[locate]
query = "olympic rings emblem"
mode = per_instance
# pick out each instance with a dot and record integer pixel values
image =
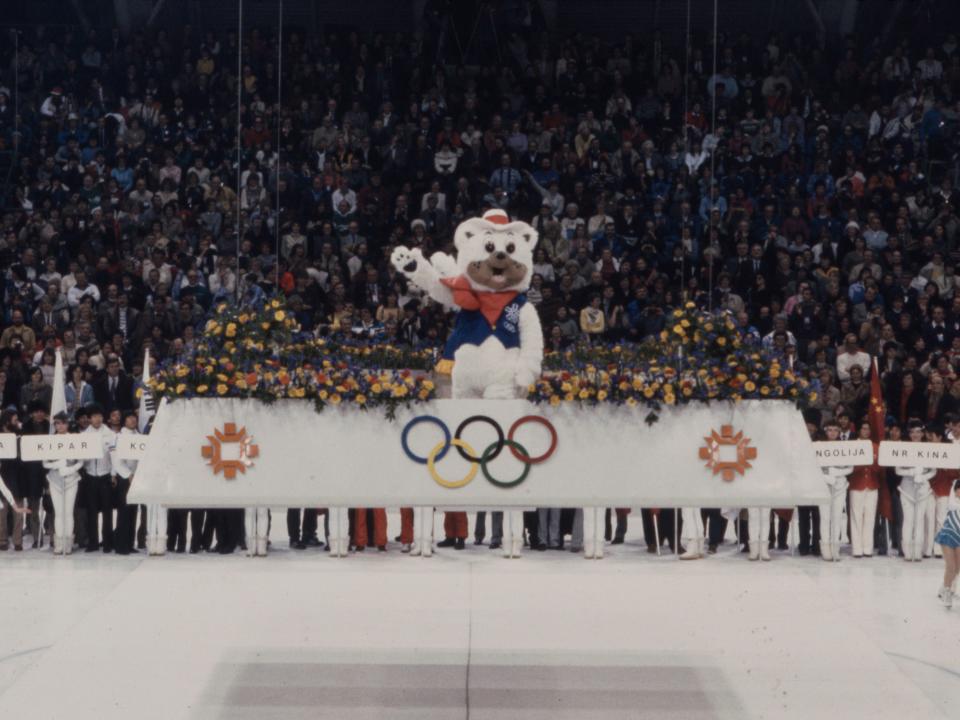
(478, 461)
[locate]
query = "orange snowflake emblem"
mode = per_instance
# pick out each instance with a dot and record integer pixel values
(720, 449)
(214, 452)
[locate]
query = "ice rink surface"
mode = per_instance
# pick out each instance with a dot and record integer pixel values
(471, 635)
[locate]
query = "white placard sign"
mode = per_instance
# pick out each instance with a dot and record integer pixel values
(242, 453)
(70, 446)
(8, 445)
(919, 454)
(843, 452)
(132, 447)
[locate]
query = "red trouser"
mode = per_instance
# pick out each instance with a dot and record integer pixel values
(455, 525)
(406, 526)
(379, 527)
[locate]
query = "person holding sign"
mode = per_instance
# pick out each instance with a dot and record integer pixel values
(864, 492)
(124, 535)
(831, 514)
(949, 540)
(63, 477)
(10, 488)
(915, 496)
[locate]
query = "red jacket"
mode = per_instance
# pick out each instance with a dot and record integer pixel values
(867, 477)
(942, 482)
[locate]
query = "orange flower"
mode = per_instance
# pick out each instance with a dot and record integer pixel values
(284, 378)
(251, 378)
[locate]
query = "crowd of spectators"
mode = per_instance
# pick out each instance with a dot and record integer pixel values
(808, 191)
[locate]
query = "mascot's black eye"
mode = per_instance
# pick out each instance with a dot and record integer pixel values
(488, 247)
(511, 247)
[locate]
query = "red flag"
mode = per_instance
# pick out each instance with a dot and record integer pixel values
(876, 416)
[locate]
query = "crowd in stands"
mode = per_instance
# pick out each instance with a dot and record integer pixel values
(809, 192)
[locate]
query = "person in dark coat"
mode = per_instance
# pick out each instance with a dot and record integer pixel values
(114, 391)
(33, 476)
(10, 498)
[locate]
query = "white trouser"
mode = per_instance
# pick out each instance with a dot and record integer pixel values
(919, 511)
(831, 516)
(592, 521)
(422, 531)
(338, 531)
(929, 523)
(512, 533)
(759, 521)
(63, 497)
(256, 524)
(863, 512)
(693, 524)
(156, 530)
(941, 505)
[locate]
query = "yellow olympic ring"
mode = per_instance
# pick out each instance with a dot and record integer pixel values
(452, 484)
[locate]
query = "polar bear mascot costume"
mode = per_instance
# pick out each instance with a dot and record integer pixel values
(496, 347)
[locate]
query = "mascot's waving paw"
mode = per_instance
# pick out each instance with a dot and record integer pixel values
(406, 260)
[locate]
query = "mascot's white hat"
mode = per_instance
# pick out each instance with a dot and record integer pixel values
(497, 217)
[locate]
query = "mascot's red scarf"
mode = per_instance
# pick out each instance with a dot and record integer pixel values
(491, 304)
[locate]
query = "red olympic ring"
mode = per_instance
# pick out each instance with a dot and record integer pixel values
(534, 419)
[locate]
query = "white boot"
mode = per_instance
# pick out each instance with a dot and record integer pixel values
(406, 548)
(517, 549)
(588, 551)
(694, 551)
(426, 549)
(414, 549)
(333, 547)
(66, 543)
(835, 550)
(754, 551)
(262, 546)
(598, 550)
(57, 547)
(764, 550)
(825, 551)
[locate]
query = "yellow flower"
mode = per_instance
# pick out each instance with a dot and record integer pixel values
(279, 315)
(637, 383)
(568, 397)
(690, 306)
(685, 323)
(648, 392)
(335, 399)
(749, 386)
(181, 388)
(323, 394)
(231, 330)
(584, 394)
(377, 387)
(678, 329)
(632, 402)
(708, 327)
(221, 389)
(602, 395)
(427, 385)
(764, 390)
(244, 319)
(201, 389)
(813, 397)
(241, 383)
(566, 387)
(554, 400)
(669, 399)
(361, 399)
(274, 303)
(182, 371)
(721, 341)
(687, 391)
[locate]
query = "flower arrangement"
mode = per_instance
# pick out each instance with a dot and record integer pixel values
(261, 354)
(699, 356)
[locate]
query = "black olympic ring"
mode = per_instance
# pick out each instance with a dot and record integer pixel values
(479, 418)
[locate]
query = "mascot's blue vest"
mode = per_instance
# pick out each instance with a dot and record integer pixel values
(472, 328)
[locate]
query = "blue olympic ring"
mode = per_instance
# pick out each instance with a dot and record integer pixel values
(422, 419)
